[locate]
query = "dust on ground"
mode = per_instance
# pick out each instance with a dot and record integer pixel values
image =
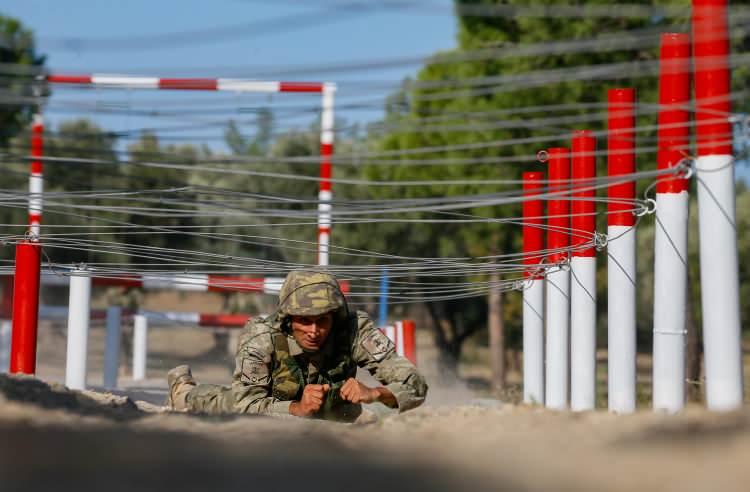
(54, 438)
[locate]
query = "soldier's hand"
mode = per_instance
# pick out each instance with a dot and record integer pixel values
(311, 401)
(356, 392)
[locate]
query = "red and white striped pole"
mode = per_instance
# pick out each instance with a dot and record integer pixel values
(25, 308)
(409, 331)
(557, 315)
(327, 91)
(403, 336)
(36, 179)
(533, 293)
(28, 267)
(716, 207)
(325, 195)
(583, 273)
(621, 267)
(670, 242)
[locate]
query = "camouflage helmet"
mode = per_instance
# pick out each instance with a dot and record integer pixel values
(310, 293)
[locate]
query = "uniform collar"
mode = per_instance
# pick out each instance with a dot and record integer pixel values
(294, 348)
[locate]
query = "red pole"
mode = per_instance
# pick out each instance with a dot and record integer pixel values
(670, 235)
(621, 156)
(533, 294)
(558, 209)
(712, 83)
(621, 252)
(583, 208)
(410, 340)
(533, 223)
(719, 262)
(674, 117)
(583, 268)
(557, 313)
(25, 308)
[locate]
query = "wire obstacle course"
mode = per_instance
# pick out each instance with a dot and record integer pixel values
(556, 273)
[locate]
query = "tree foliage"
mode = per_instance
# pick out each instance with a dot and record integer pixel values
(17, 83)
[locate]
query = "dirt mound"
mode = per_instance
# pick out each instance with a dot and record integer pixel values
(33, 392)
(51, 437)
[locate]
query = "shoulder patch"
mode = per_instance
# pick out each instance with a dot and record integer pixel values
(255, 372)
(377, 345)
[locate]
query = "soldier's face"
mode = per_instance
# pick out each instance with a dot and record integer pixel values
(311, 332)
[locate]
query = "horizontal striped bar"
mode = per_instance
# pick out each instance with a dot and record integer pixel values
(190, 282)
(60, 313)
(189, 84)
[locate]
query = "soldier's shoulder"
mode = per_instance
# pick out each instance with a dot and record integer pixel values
(258, 333)
(363, 320)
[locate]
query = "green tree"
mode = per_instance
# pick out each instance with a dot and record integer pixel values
(459, 106)
(22, 63)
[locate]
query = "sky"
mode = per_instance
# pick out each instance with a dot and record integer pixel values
(256, 39)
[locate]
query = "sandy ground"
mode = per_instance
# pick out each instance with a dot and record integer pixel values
(55, 439)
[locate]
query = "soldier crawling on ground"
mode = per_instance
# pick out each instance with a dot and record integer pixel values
(302, 360)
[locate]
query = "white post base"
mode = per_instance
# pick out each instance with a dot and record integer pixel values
(621, 309)
(6, 327)
(112, 347)
(583, 333)
(533, 342)
(720, 282)
(557, 321)
(670, 278)
(140, 346)
(79, 311)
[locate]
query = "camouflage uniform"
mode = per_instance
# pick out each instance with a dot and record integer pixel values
(272, 370)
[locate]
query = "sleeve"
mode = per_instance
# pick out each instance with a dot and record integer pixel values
(375, 352)
(251, 381)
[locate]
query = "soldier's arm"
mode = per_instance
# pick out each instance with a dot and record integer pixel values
(376, 353)
(251, 381)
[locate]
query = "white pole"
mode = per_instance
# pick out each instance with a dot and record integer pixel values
(112, 347)
(583, 333)
(533, 342)
(670, 278)
(78, 329)
(719, 282)
(716, 206)
(621, 267)
(670, 241)
(557, 320)
(5, 333)
(140, 346)
(621, 275)
(583, 274)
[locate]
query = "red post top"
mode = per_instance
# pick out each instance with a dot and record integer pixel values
(409, 340)
(621, 155)
(712, 79)
(673, 132)
(583, 207)
(37, 145)
(558, 209)
(533, 221)
(326, 151)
